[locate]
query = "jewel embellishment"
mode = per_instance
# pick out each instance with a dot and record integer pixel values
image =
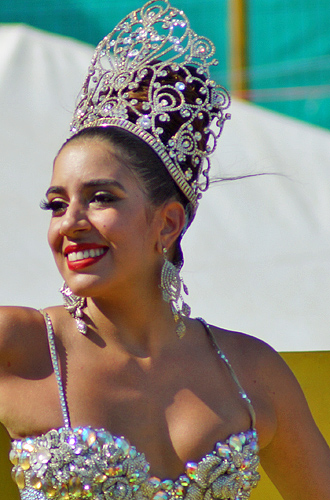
(170, 284)
(74, 305)
(138, 54)
(92, 463)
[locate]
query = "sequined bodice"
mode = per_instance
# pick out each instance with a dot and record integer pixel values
(87, 463)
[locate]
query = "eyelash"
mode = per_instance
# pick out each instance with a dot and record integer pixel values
(104, 198)
(56, 205)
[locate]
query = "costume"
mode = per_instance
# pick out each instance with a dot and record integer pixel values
(91, 463)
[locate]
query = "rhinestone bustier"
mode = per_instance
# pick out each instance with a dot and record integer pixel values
(87, 463)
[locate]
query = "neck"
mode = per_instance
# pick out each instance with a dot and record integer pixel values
(142, 324)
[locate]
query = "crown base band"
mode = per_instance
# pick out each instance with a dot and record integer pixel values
(155, 145)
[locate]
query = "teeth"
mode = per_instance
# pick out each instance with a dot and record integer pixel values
(93, 252)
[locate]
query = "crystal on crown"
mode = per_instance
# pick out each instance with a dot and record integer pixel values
(142, 50)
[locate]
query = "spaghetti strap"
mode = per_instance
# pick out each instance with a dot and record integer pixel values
(219, 351)
(53, 355)
(64, 407)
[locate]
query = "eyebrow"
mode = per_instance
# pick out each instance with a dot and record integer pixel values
(89, 184)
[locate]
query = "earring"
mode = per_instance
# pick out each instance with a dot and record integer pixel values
(170, 283)
(74, 305)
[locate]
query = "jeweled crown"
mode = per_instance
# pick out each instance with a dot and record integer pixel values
(152, 71)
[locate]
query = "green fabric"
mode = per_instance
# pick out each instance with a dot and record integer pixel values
(288, 42)
(290, 48)
(91, 20)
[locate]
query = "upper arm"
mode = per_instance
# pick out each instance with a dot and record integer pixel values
(297, 459)
(21, 342)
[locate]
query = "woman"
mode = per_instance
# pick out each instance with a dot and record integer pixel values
(122, 355)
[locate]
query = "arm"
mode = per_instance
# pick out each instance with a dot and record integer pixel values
(297, 459)
(21, 332)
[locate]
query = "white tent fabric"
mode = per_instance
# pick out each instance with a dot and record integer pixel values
(257, 255)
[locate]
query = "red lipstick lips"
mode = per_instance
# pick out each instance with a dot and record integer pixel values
(83, 255)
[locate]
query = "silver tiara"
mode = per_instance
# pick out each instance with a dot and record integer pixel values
(155, 50)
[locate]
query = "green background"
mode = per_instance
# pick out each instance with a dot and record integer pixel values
(288, 42)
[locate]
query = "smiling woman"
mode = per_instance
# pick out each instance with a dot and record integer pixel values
(147, 403)
(95, 197)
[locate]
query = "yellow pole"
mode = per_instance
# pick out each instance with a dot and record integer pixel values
(237, 10)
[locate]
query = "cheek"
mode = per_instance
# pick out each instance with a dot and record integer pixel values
(53, 236)
(125, 233)
(112, 224)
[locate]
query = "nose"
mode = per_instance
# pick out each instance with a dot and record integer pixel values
(75, 220)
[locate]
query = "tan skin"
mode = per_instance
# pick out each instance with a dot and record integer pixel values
(173, 399)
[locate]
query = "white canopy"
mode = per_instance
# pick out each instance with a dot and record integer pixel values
(257, 255)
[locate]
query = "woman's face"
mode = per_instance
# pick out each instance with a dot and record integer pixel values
(100, 235)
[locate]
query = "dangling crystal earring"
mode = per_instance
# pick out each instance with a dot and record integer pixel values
(74, 305)
(170, 283)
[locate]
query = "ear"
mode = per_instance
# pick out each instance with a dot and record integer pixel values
(173, 220)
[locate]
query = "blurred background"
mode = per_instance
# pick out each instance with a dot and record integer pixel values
(273, 52)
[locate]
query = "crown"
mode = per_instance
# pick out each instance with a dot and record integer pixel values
(150, 71)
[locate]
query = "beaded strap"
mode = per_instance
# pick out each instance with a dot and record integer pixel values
(53, 354)
(242, 393)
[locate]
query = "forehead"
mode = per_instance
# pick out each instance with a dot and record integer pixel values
(86, 159)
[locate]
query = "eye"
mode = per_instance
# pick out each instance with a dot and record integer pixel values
(56, 206)
(104, 198)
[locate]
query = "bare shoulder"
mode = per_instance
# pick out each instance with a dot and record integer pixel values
(14, 318)
(20, 329)
(257, 364)
(245, 349)
(23, 334)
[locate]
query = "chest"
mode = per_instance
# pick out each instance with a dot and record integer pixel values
(181, 451)
(173, 410)
(173, 413)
